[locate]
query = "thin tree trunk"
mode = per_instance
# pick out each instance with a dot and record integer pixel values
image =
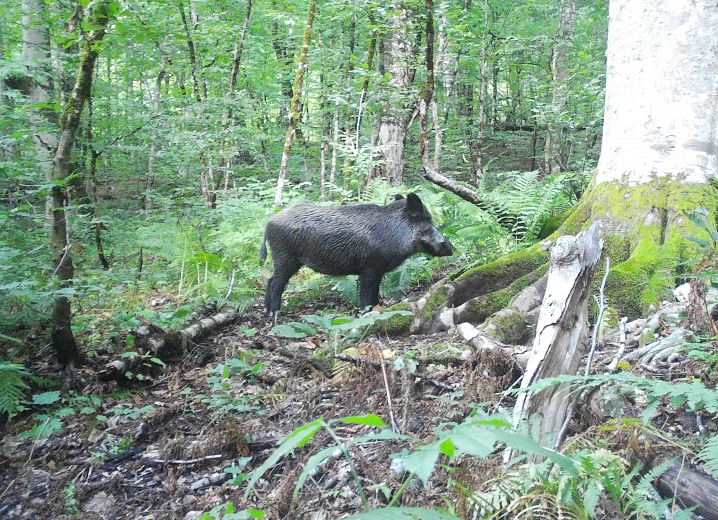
(322, 169)
(352, 143)
(553, 160)
(397, 54)
(150, 177)
(479, 165)
(239, 46)
(97, 223)
(335, 144)
(192, 53)
(425, 101)
(296, 97)
(441, 65)
(424, 150)
(365, 84)
(62, 339)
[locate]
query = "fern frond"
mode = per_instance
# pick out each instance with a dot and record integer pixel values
(709, 453)
(12, 388)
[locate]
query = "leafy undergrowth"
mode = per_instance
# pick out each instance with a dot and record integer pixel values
(185, 439)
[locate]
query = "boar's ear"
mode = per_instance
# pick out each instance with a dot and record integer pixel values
(414, 206)
(398, 196)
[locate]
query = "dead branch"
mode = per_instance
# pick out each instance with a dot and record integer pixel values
(690, 488)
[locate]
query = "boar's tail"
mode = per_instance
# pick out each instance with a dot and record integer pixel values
(263, 250)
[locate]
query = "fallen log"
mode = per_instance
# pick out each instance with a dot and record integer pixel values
(152, 341)
(690, 488)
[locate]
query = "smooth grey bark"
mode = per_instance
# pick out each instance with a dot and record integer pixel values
(661, 115)
(554, 159)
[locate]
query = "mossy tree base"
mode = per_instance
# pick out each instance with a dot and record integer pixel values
(646, 236)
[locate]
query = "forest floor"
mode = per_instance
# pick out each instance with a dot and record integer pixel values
(160, 449)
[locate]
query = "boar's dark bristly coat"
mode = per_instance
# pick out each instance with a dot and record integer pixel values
(366, 240)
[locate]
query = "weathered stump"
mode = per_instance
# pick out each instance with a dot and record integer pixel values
(561, 330)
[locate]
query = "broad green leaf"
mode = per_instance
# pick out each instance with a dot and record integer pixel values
(421, 463)
(46, 398)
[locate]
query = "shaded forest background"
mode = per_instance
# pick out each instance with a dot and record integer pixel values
(176, 157)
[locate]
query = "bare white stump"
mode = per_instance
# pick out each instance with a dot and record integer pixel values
(561, 330)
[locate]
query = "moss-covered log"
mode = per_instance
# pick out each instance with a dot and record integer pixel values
(646, 234)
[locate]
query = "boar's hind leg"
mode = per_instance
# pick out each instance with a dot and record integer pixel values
(369, 289)
(283, 271)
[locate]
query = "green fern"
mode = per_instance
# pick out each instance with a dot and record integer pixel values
(695, 395)
(12, 388)
(522, 202)
(709, 453)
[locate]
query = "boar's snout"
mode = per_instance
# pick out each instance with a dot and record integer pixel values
(439, 245)
(445, 248)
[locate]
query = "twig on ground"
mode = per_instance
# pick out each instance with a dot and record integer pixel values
(621, 344)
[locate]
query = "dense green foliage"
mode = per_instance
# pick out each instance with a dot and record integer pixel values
(168, 134)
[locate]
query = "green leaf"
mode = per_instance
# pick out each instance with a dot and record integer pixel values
(369, 419)
(313, 462)
(474, 440)
(709, 453)
(590, 499)
(46, 398)
(292, 330)
(448, 448)
(421, 463)
(297, 439)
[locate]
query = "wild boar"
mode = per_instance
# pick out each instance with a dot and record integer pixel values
(366, 240)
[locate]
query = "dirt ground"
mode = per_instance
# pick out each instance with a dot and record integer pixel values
(159, 448)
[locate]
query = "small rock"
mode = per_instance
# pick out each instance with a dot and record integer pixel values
(188, 499)
(397, 466)
(681, 292)
(100, 502)
(467, 331)
(192, 515)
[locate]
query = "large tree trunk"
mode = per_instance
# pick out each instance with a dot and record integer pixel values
(294, 107)
(397, 52)
(658, 161)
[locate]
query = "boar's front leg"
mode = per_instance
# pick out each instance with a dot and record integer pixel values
(369, 289)
(284, 268)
